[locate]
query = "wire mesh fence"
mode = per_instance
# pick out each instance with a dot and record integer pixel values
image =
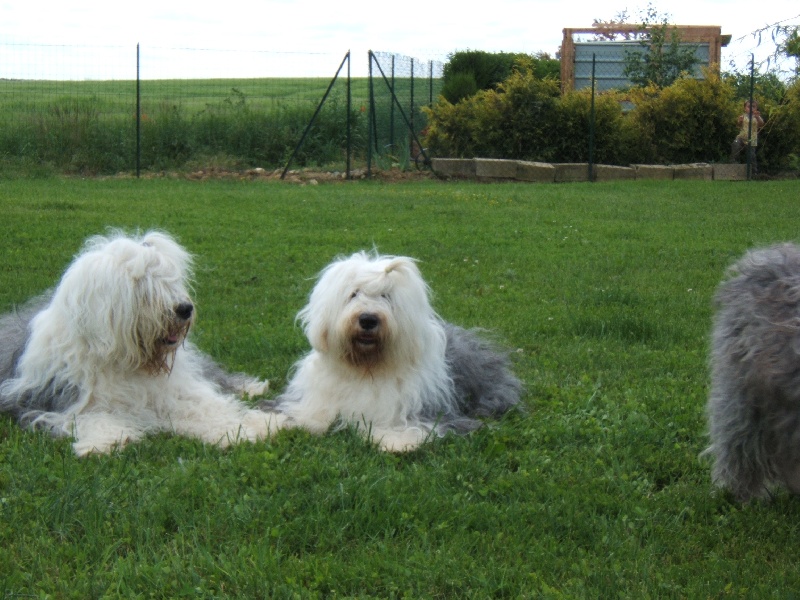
(400, 87)
(110, 109)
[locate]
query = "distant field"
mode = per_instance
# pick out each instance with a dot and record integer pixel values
(195, 94)
(89, 127)
(602, 292)
(192, 94)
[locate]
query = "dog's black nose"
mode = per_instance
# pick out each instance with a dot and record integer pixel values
(184, 310)
(368, 321)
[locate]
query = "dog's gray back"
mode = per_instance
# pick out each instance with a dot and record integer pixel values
(754, 401)
(482, 379)
(14, 334)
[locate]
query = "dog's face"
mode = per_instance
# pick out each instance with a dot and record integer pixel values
(369, 311)
(128, 299)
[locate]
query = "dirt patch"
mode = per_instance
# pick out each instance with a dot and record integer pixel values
(296, 176)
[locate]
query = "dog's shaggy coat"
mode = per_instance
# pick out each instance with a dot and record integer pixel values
(384, 361)
(103, 357)
(754, 404)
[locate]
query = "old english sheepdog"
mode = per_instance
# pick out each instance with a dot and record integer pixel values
(383, 361)
(104, 358)
(754, 404)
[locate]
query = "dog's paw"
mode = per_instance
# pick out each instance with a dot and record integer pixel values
(255, 388)
(398, 441)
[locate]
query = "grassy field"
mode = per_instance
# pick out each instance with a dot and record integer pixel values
(90, 127)
(193, 94)
(601, 291)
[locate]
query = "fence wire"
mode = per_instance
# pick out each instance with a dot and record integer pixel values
(101, 109)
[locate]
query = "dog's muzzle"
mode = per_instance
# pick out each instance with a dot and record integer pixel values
(183, 317)
(184, 310)
(368, 334)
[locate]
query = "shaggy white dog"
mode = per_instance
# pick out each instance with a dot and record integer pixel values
(103, 357)
(383, 360)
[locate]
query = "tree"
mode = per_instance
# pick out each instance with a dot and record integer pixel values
(467, 72)
(786, 39)
(662, 59)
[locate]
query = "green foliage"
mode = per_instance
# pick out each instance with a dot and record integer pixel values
(663, 58)
(459, 85)
(779, 140)
(90, 133)
(489, 69)
(789, 44)
(614, 143)
(768, 87)
(505, 123)
(693, 120)
(527, 118)
(602, 292)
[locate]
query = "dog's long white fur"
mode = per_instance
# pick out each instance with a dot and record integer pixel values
(103, 358)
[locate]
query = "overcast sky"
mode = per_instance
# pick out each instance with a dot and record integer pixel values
(426, 30)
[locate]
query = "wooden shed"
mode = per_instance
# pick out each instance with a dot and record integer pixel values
(708, 39)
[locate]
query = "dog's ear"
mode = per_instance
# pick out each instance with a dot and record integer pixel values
(402, 264)
(318, 337)
(315, 327)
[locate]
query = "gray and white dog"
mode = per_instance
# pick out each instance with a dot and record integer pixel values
(103, 358)
(384, 361)
(754, 404)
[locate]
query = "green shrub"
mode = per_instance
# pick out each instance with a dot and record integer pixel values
(612, 141)
(488, 70)
(779, 140)
(693, 120)
(768, 87)
(527, 118)
(460, 85)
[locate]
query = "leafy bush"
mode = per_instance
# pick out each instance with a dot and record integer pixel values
(460, 85)
(693, 120)
(768, 87)
(489, 70)
(527, 118)
(779, 140)
(509, 122)
(613, 142)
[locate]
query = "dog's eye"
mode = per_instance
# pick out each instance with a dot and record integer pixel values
(386, 297)
(354, 294)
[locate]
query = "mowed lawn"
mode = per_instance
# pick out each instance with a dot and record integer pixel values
(602, 294)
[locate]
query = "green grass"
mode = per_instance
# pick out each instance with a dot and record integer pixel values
(603, 293)
(90, 127)
(193, 94)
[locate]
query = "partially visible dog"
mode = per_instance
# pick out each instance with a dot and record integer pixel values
(103, 357)
(754, 404)
(384, 361)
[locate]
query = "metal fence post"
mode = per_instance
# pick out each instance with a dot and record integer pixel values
(391, 111)
(751, 150)
(138, 117)
(411, 112)
(591, 127)
(430, 83)
(349, 125)
(370, 114)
